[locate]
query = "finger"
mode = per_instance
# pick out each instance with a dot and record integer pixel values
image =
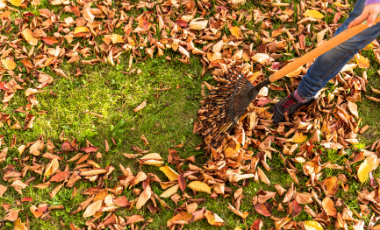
(371, 19)
(358, 20)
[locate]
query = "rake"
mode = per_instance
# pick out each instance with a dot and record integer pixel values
(225, 105)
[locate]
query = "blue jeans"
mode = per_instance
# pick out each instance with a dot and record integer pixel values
(328, 65)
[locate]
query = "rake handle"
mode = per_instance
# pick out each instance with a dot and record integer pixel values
(337, 40)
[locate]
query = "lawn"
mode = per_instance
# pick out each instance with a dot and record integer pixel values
(98, 107)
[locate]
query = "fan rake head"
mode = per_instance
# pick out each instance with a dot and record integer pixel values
(225, 105)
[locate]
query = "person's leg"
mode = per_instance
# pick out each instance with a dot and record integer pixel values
(328, 65)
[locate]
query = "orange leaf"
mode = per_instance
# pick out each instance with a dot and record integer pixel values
(262, 209)
(143, 23)
(8, 64)
(235, 31)
(362, 61)
(50, 40)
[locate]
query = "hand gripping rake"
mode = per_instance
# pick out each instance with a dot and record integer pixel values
(225, 105)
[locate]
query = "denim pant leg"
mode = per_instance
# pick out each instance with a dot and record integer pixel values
(328, 65)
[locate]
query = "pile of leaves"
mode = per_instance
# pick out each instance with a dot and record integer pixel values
(223, 35)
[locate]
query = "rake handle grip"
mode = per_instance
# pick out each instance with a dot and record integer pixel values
(337, 40)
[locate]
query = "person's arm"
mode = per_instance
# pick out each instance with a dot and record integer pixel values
(370, 12)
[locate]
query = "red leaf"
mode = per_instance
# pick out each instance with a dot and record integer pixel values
(337, 17)
(59, 177)
(121, 201)
(275, 65)
(143, 23)
(181, 22)
(90, 149)
(67, 147)
(295, 207)
(27, 199)
(263, 101)
(50, 40)
(262, 209)
(182, 182)
(302, 41)
(257, 225)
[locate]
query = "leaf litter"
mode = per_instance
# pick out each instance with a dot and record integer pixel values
(197, 27)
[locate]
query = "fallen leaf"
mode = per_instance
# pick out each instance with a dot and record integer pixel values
(262, 209)
(362, 61)
(313, 14)
(140, 107)
(170, 173)
(92, 209)
(199, 187)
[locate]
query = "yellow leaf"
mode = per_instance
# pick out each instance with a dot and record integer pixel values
(52, 167)
(362, 61)
(27, 34)
(313, 14)
(15, 2)
(170, 173)
(312, 225)
(115, 38)
(298, 138)
(235, 31)
(366, 167)
(8, 64)
(170, 191)
(295, 73)
(81, 29)
(200, 187)
(19, 225)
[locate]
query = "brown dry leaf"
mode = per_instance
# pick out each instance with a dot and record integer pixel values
(3, 189)
(140, 107)
(198, 24)
(144, 197)
(199, 187)
(154, 159)
(54, 192)
(330, 186)
(261, 58)
(181, 219)
(214, 219)
(143, 23)
(328, 206)
(12, 215)
(59, 177)
(92, 209)
(42, 186)
(262, 209)
(170, 173)
(362, 61)
(52, 167)
(243, 215)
